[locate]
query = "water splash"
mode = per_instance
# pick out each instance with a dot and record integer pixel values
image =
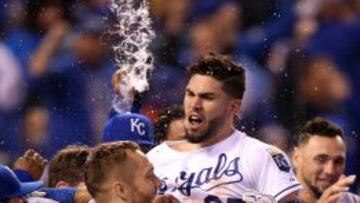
(131, 35)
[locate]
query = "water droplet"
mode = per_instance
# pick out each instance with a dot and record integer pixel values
(131, 36)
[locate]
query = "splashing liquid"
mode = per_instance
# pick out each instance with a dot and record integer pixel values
(131, 35)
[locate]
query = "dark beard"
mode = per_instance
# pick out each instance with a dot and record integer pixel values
(196, 139)
(315, 191)
(210, 132)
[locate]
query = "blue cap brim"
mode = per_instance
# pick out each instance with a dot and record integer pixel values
(25, 188)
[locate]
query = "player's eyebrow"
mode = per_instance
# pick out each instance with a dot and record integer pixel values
(207, 95)
(150, 169)
(201, 94)
(189, 91)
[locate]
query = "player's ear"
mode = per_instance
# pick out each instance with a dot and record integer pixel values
(295, 158)
(120, 190)
(235, 105)
(62, 184)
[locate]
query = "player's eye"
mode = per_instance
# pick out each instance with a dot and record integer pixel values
(189, 94)
(151, 176)
(321, 159)
(209, 98)
(339, 161)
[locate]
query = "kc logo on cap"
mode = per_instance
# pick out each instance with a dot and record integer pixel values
(129, 127)
(138, 126)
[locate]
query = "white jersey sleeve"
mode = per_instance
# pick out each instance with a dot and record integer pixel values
(272, 171)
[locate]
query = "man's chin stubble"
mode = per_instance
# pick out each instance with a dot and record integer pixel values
(196, 139)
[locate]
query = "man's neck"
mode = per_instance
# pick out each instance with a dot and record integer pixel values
(220, 136)
(108, 199)
(306, 194)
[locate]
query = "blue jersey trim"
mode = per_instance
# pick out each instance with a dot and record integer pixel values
(284, 190)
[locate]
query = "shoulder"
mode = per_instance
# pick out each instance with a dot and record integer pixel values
(156, 150)
(248, 147)
(266, 154)
(160, 151)
(256, 147)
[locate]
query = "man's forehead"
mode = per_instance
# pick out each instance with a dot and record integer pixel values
(141, 159)
(203, 84)
(319, 140)
(324, 145)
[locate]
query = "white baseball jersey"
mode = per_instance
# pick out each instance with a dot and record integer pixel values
(231, 171)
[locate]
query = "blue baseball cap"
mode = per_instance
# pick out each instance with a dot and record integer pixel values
(130, 126)
(11, 187)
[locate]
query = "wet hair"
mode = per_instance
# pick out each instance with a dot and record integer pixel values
(102, 160)
(223, 69)
(165, 118)
(318, 126)
(68, 165)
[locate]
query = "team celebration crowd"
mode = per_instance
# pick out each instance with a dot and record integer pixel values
(248, 102)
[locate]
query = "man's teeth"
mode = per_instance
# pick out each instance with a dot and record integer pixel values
(195, 119)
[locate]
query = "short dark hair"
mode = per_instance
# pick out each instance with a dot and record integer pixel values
(102, 160)
(68, 165)
(318, 126)
(223, 69)
(165, 118)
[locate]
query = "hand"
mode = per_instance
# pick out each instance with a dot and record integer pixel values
(165, 199)
(334, 192)
(82, 195)
(59, 30)
(118, 78)
(31, 162)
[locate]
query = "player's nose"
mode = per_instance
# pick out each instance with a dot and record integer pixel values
(329, 168)
(195, 103)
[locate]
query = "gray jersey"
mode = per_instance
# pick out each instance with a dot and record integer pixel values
(349, 198)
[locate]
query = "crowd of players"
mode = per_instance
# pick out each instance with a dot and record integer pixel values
(301, 60)
(208, 160)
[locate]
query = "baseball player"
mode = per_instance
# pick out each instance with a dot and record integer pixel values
(117, 172)
(217, 163)
(170, 124)
(319, 159)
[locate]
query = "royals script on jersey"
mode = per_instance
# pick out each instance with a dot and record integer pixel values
(233, 170)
